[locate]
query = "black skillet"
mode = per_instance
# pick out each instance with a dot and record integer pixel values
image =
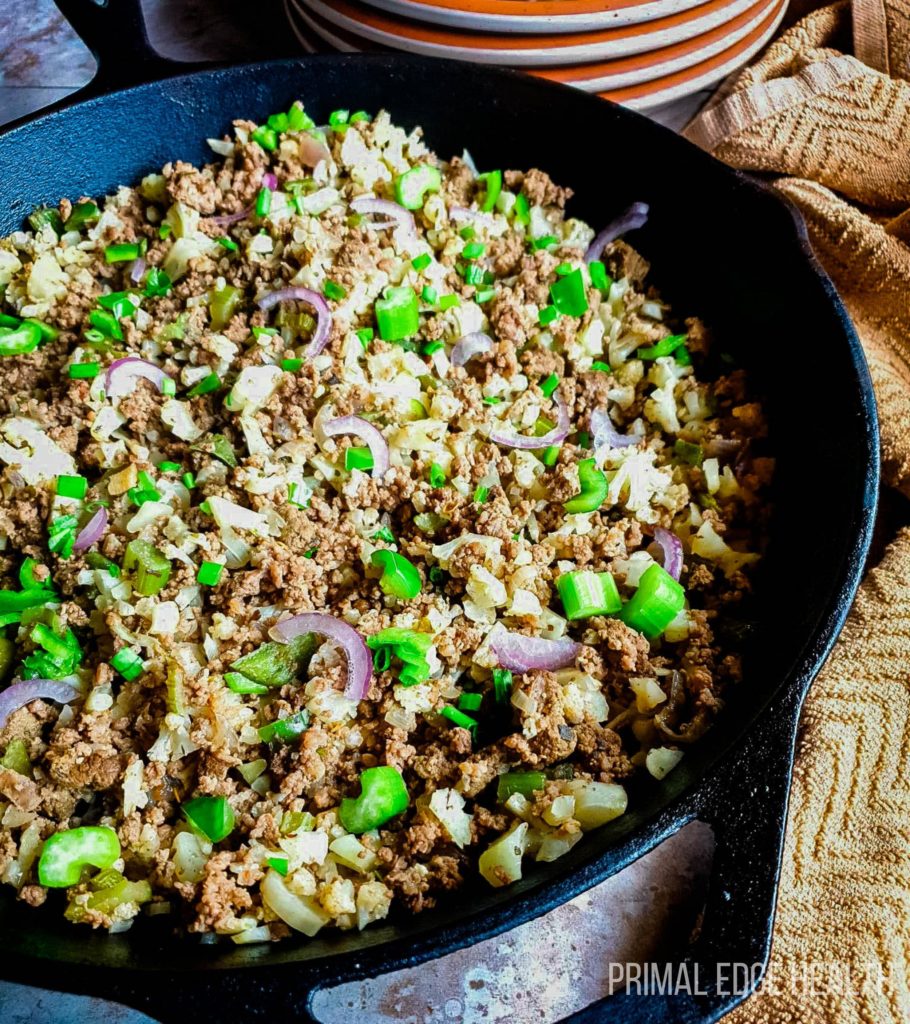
(723, 247)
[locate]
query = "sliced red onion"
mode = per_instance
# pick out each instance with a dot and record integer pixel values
(366, 432)
(462, 213)
(522, 653)
(313, 151)
(122, 373)
(323, 313)
(19, 694)
(470, 345)
(92, 532)
(556, 436)
(394, 213)
(138, 270)
(605, 433)
(223, 219)
(635, 217)
(269, 181)
(360, 664)
(672, 549)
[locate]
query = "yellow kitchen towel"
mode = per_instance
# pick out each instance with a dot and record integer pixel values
(825, 115)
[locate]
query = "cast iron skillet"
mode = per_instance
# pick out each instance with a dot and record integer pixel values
(722, 247)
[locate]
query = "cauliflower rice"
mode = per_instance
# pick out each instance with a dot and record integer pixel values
(160, 518)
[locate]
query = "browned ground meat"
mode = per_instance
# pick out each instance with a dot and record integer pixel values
(230, 770)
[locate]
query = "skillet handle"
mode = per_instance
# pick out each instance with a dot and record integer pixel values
(114, 30)
(729, 957)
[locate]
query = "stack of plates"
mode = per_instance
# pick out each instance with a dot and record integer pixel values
(642, 53)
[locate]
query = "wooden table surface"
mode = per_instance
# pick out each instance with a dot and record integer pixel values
(631, 918)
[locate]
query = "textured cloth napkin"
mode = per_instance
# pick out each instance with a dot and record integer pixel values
(825, 113)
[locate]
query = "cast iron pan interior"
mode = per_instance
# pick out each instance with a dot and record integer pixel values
(722, 248)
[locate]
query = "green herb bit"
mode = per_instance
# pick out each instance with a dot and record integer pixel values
(600, 279)
(544, 242)
(547, 315)
(358, 458)
(600, 366)
(422, 261)
(437, 475)
(122, 252)
(524, 783)
(665, 347)
(384, 533)
(481, 494)
(549, 384)
(208, 384)
(460, 719)
(502, 685)
(334, 291)
(470, 701)
(285, 729)
(72, 487)
(127, 663)
(209, 574)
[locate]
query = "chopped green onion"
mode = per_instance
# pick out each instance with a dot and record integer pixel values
(72, 486)
(522, 209)
(365, 334)
(460, 719)
(82, 214)
(291, 365)
(594, 488)
(285, 729)
(473, 250)
(397, 313)
(122, 252)
(146, 567)
(481, 494)
(333, 290)
(338, 118)
(298, 119)
(213, 816)
(105, 322)
(492, 184)
(681, 355)
(358, 115)
(84, 371)
(358, 458)
(422, 261)
(550, 455)
(121, 304)
(547, 315)
(655, 604)
(584, 439)
(563, 269)
(408, 646)
(429, 295)
(665, 347)
(549, 384)
(491, 400)
(685, 451)
(293, 488)
(164, 231)
(502, 685)
(227, 243)
(127, 663)
(544, 242)
(484, 295)
(586, 593)
(384, 533)
(429, 347)
(473, 274)
(437, 475)
(209, 573)
(399, 576)
(265, 137)
(568, 294)
(448, 301)
(383, 795)
(278, 122)
(525, 783)
(411, 188)
(600, 279)
(188, 481)
(467, 232)
(61, 535)
(210, 383)
(157, 283)
(279, 864)
(263, 202)
(601, 366)
(470, 701)
(169, 467)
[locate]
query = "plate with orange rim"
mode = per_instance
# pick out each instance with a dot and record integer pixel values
(533, 16)
(667, 88)
(594, 77)
(525, 51)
